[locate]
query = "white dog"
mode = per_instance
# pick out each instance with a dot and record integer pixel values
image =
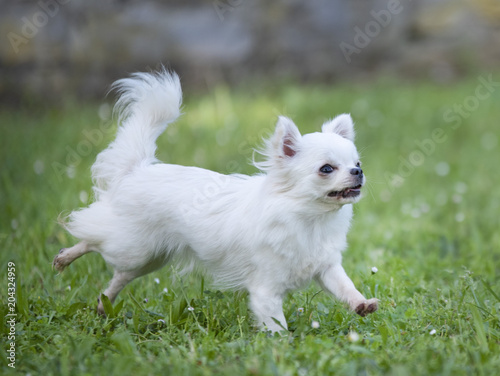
(267, 234)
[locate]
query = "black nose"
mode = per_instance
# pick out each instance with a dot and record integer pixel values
(356, 171)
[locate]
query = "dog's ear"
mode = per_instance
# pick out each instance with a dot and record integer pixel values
(286, 137)
(342, 125)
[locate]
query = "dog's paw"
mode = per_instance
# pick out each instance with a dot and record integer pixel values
(366, 307)
(100, 308)
(60, 262)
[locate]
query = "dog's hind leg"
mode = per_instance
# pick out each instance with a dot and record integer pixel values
(67, 255)
(118, 282)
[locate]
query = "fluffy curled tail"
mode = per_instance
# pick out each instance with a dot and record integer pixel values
(146, 105)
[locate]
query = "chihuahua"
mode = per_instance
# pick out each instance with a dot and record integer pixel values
(268, 234)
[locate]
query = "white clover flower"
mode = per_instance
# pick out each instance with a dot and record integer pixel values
(157, 280)
(84, 197)
(374, 270)
(161, 320)
(353, 337)
(39, 167)
(432, 332)
(165, 290)
(71, 172)
(315, 325)
(190, 309)
(442, 168)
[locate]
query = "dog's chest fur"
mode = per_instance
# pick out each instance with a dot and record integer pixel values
(293, 252)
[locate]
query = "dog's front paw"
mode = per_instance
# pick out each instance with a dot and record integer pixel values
(366, 307)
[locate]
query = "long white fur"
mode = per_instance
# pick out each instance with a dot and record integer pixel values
(268, 234)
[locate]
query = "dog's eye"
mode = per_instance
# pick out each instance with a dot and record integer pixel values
(327, 169)
(358, 164)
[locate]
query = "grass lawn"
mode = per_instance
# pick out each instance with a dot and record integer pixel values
(428, 222)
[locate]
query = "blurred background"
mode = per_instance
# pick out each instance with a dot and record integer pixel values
(55, 48)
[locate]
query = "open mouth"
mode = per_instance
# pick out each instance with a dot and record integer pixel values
(346, 193)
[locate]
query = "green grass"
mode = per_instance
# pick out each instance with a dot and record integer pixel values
(433, 237)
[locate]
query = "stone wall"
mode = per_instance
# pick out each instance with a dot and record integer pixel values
(51, 47)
